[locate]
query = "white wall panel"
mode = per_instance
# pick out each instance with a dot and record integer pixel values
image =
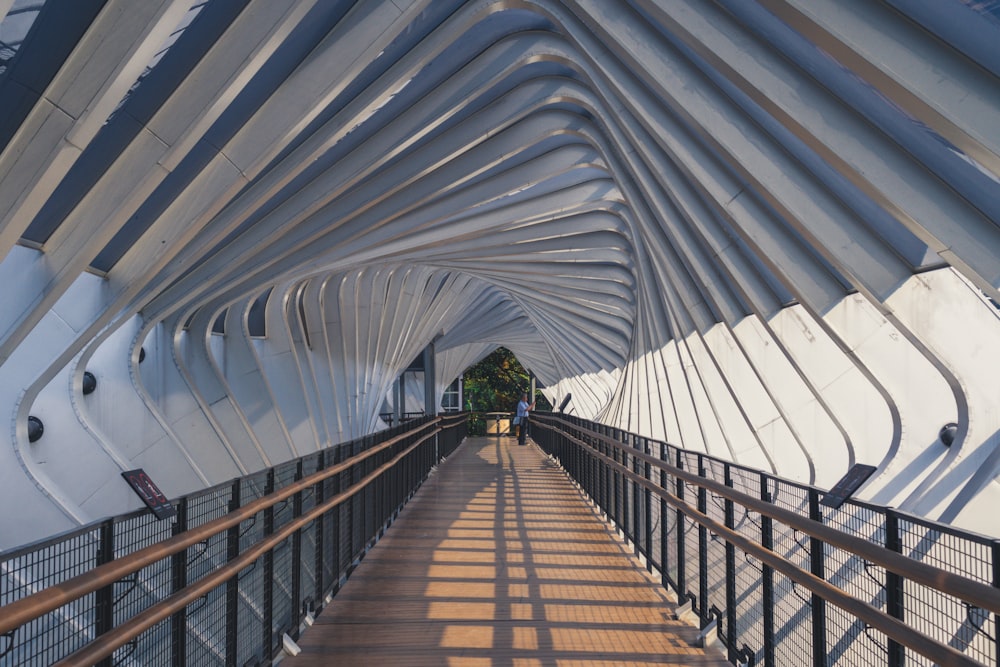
(762, 230)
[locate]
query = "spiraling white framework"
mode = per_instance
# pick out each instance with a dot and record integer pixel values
(763, 229)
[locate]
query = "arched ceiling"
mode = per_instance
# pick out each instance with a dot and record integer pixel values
(533, 145)
(584, 181)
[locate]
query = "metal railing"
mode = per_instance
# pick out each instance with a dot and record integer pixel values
(390, 417)
(498, 423)
(780, 578)
(243, 564)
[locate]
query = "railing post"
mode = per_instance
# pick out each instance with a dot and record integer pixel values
(664, 533)
(178, 571)
(362, 497)
(617, 498)
(318, 493)
(817, 565)
(681, 574)
(104, 598)
(377, 489)
(349, 504)
(995, 551)
(268, 603)
(233, 585)
(580, 462)
(335, 547)
(647, 473)
(730, 521)
(704, 612)
(296, 601)
(637, 499)
(605, 472)
(630, 489)
(894, 587)
(588, 470)
(767, 577)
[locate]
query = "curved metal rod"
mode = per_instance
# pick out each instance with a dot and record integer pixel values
(38, 604)
(199, 554)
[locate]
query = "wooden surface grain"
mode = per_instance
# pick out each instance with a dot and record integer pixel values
(499, 561)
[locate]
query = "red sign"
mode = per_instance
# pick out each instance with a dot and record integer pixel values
(149, 493)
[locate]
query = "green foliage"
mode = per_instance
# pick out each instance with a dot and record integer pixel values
(495, 384)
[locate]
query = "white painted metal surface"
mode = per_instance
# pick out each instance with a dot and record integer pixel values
(764, 229)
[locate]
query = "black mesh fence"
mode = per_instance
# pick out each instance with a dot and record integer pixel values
(764, 616)
(247, 584)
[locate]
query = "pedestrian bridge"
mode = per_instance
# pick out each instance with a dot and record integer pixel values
(249, 247)
(423, 546)
(498, 560)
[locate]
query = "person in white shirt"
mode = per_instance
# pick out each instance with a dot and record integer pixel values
(523, 408)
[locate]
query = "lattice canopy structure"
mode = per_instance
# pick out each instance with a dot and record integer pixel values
(762, 229)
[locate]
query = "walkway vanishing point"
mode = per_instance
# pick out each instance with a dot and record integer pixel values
(498, 560)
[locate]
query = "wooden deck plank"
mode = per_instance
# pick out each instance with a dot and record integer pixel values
(499, 561)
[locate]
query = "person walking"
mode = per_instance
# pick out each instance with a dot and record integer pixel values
(523, 409)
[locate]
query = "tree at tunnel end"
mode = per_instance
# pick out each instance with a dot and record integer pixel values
(495, 385)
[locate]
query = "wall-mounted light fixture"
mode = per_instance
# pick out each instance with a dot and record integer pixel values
(35, 429)
(947, 433)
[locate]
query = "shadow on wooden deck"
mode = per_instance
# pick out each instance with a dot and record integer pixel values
(499, 561)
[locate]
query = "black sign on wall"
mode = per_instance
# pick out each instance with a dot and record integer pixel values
(847, 485)
(150, 493)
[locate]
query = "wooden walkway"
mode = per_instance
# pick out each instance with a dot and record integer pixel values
(499, 561)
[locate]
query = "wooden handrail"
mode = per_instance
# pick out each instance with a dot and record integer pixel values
(49, 599)
(106, 644)
(455, 417)
(981, 595)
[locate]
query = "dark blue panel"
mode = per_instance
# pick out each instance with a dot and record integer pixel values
(163, 80)
(127, 122)
(256, 321)
(219, 326)
(52, 37)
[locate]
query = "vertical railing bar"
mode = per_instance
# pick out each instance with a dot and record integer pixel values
(376, 527)
(703, 603)
(817, 565)
(616, 499)
(320, 495)
(104, 598)
(648, 497)
(233, 585)
(178, 580)
(730, 522)
(268, 603)
(767, 576)
(336, 547)
(296, 612)
(637, 539)
(594, 468)
(627, 522)
(995, 553)
(637, 500)
(682, 586)
(664, 533)
(604, 470)
(894, 587)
